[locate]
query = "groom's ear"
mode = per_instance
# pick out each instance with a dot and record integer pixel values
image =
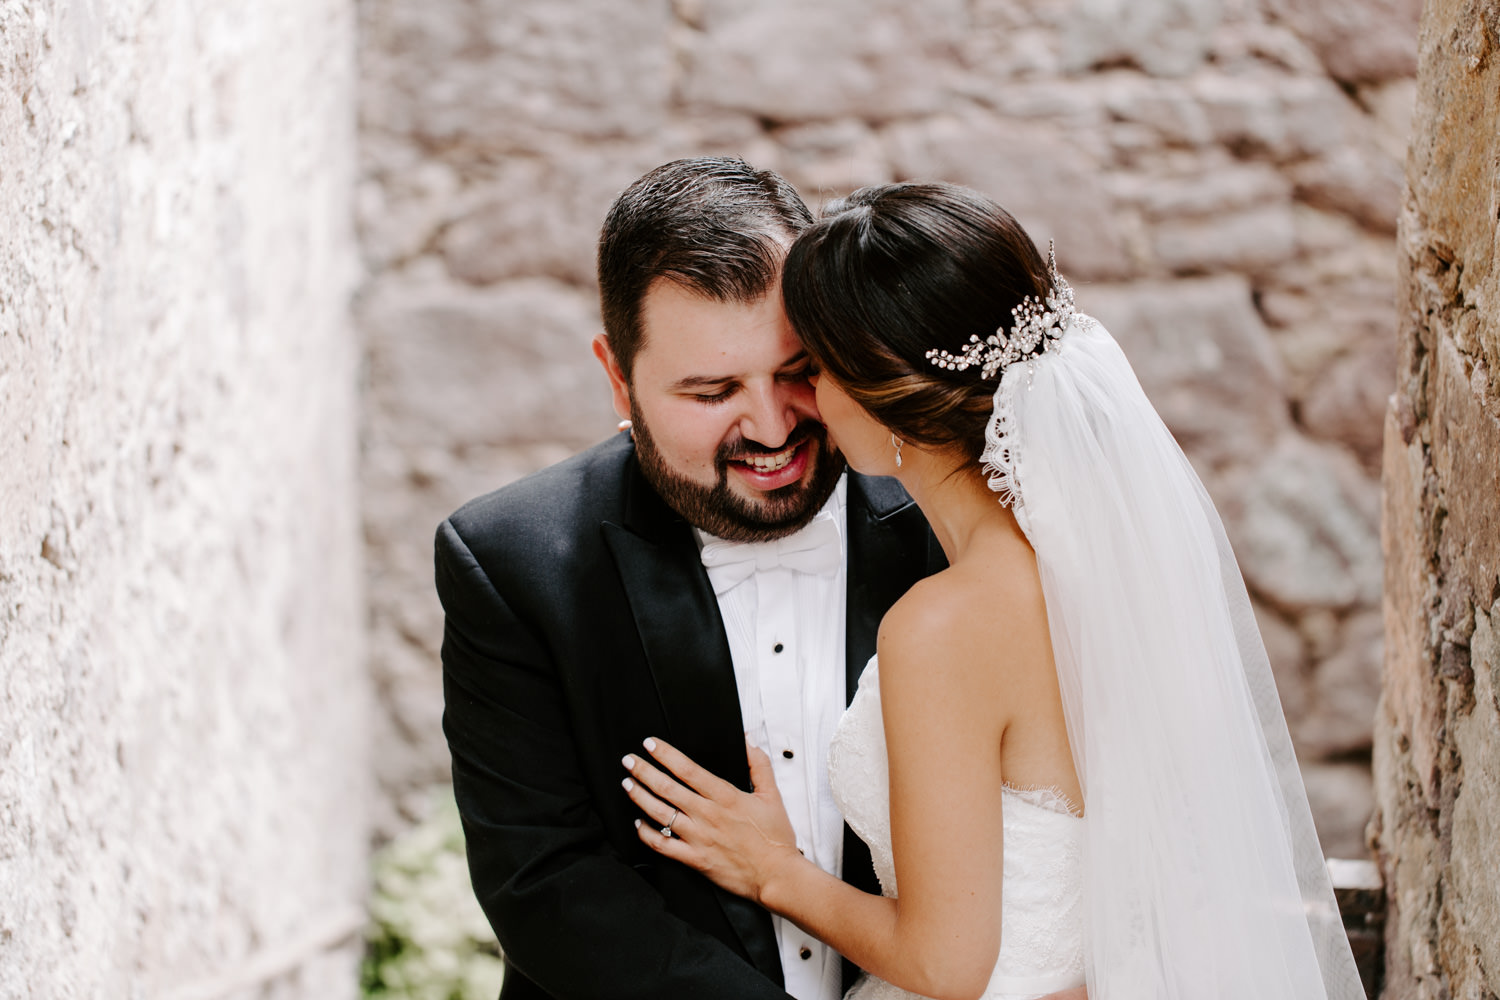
(618, 386)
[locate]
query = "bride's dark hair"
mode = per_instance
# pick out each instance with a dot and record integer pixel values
(892, 272)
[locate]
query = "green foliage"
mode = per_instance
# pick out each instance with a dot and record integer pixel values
(428, 938)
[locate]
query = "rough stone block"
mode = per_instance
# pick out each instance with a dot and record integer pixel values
(510, 364)
(1413, 699)
(1360, 41)
(1390, 106)
(1247, 241)
(1275, 116)
(1331, 307)
(504, 75)
(1304, 529)
(1346, 401)
(1204, 358)
(788, 61)
(1413, 887)
(1345, 689)
(1342, 798)
(1289, 664)
(1051, 187)
(1360, 182)
(1163, 106)
(1455, 145)
(1163, 37)
(540, 216)
(833, 158)
(1476, 821)
(1466, 458)
(1216, 189)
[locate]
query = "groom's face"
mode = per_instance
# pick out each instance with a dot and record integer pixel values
(725, 421)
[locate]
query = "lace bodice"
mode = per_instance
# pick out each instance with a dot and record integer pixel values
(1041, 929)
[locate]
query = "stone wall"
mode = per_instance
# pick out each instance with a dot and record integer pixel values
(1437, 742)
(183, 704)
(1222, 178)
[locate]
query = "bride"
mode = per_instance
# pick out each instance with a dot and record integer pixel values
(1069, 756)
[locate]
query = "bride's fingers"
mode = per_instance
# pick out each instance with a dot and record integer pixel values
(669, 847)
(661, 784)
(661, 813)
(705, 782)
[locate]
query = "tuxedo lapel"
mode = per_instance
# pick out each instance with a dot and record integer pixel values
(682, 634)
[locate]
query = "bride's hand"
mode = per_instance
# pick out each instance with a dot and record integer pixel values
(739, 840)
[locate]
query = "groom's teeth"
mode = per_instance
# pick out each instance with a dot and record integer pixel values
(770, 463)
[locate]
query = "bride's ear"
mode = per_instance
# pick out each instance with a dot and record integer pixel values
(619, 386)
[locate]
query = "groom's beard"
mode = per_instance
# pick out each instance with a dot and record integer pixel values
(718, 510)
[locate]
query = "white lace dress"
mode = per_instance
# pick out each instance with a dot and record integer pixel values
(1041, 916)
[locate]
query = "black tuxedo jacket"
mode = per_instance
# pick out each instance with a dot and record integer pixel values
(579, 620)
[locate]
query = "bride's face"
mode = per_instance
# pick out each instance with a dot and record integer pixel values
(726, 426)
(864, 441)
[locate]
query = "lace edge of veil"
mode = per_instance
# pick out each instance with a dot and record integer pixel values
(999, 458)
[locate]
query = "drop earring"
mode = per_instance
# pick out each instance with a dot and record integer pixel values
(897, 442)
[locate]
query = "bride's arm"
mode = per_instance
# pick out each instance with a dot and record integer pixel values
(943, 729)
(945, 685)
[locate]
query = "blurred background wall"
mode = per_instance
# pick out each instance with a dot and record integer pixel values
(1222, 178)
(183, 699)
(1437, 746)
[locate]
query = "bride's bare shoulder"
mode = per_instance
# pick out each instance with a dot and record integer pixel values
(985, 616)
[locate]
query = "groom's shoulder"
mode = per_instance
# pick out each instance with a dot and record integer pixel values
(562, 498)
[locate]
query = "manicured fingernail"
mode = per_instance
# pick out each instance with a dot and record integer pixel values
(628, 760)
(637, 824)
(627, 784)
(649, 744)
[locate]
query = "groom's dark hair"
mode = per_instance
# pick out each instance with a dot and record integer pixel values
(714, 225)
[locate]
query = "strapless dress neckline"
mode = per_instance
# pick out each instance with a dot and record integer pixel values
(1041, 916)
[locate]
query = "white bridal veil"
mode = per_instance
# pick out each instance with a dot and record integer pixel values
(1202, 872)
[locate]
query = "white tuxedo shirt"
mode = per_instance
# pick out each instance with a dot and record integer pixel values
(786, 639)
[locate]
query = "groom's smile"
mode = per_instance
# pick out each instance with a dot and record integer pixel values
(725, 421)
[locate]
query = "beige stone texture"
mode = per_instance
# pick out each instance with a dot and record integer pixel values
(1359, 41)
(1221, 187)
(1205, 359)
(183, 710)
(1437, 739)
(792, 61)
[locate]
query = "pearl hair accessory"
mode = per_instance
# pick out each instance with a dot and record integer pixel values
(1037, 323)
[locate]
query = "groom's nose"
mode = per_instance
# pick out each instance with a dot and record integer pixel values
(770, 414)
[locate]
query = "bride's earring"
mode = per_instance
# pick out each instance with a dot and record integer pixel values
(897, 442)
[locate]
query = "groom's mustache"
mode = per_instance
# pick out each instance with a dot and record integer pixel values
(741, 448)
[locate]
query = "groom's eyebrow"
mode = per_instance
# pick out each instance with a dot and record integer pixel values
(712, 381)
(703, 381)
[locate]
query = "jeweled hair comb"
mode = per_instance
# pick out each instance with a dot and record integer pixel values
(1037, 323)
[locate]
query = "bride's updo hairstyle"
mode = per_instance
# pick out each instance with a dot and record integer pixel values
(892, 272)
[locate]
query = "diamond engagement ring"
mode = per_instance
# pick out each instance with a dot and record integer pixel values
(666, 831)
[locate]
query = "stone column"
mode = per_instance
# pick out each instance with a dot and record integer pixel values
(1437, 737)
(183, 755)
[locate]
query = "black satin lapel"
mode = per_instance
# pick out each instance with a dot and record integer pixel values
(890, 548)
(682, 633)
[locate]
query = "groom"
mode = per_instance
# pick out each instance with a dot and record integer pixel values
(713, 575)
